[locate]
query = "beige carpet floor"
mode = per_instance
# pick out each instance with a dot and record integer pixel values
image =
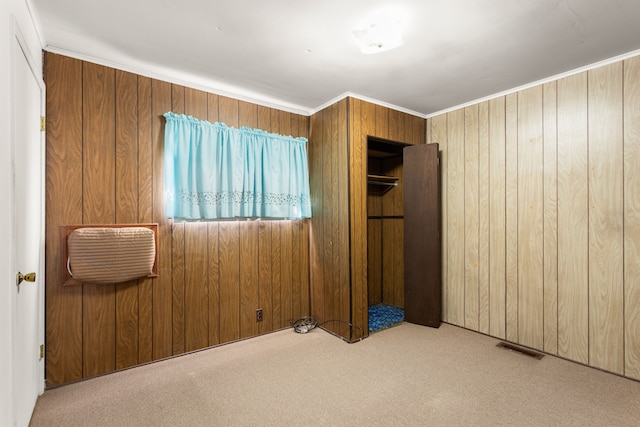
(407, 375)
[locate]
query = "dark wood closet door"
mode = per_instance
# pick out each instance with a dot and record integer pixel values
(422, 249)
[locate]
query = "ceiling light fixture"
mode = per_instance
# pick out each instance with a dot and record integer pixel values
(382, 31)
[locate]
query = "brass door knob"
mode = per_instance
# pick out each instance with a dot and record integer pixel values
(29, 277)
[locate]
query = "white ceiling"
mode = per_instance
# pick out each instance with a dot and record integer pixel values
(300, 54)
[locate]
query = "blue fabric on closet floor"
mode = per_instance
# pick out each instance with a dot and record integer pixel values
(382, 316)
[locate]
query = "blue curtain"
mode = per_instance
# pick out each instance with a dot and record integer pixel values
(212, 171)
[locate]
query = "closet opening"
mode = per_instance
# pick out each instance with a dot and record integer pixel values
(385, 233)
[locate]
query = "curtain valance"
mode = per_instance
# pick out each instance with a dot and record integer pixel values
(213, 171)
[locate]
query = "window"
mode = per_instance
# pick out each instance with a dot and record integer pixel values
(215, 172)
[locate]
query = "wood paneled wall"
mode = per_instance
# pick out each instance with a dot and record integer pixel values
(104, 165)
(329, 180)
(541, 220)
(338, 169)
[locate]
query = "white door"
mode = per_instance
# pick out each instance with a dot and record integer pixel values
(28, 184)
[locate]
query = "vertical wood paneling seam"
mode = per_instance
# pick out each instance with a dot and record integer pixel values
(137, 148)
(185, 317)
(542, 207)
(557, 223)
(115, 208)
(82, 144)
(503, 255)
(138, 197)
(352, 321)
(82, 112)
(624, 263)
(183, 251)
(542, 178)
(208, 279)
(446, 124)
(478, 196)
(137, 110)
(464, 215)
(115, 148)
(210, 287)
(239, 287)
(138, 194)
(490, 255)
(257, 261)
(506, 217)
(173, 253)
(82, 159)
(517, 215)
(153, 204)
(328, 283)
(515, 132)
(217, 317)
(588, 138)
(488, 260)
(273, 327)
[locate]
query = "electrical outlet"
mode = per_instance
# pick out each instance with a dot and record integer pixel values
(259, 315)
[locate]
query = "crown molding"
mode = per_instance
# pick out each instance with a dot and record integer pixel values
(538, 82)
